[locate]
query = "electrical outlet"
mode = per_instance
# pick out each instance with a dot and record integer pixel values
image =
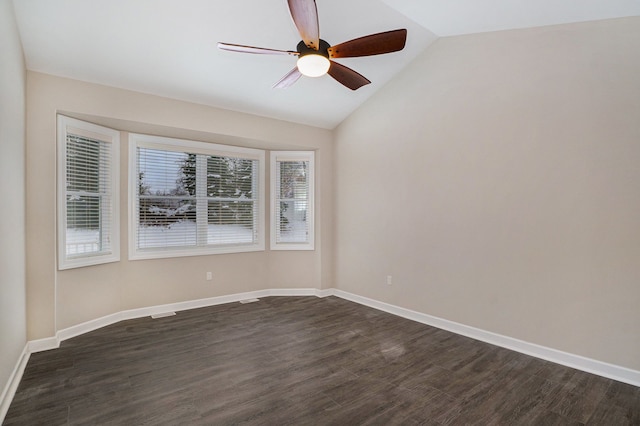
(389, 280)
(209, 276)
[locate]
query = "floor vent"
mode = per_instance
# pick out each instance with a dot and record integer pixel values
(162, 315)
(249, 301)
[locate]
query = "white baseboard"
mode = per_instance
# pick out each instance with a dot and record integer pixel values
(600, 368)
(46, 344)
(86, 327)
(325, 293)
(292, 292)
(611, 371)
(12, 384)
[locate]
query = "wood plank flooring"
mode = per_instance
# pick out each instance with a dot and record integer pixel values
(304, 361)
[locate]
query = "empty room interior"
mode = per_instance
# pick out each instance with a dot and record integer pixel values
(441, 228)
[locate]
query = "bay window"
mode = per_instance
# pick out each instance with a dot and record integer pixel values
(88, 176)
(189, 198)
(292, 200)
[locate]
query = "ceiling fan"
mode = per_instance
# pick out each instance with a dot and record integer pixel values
(315, 55)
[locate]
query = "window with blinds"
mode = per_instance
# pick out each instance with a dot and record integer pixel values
(191, 198)
(292, 225)
(88, 194)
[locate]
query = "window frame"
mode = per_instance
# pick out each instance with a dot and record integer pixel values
(279, 156)
(67, 125)
(193, 147)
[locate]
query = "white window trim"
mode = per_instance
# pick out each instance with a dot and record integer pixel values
(180, 145)
(292, 156)
(103, 134)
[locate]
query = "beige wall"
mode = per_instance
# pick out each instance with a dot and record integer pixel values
(12, 175)
(497, 179)
(60, 299)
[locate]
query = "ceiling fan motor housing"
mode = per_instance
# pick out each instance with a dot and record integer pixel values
(323, 49)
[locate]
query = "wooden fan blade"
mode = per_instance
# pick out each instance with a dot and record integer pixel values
(374, 44)
(347, 76)
(305, 17)
(286, 81)
(255, 50)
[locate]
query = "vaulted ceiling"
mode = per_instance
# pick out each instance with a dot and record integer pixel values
(168, 47)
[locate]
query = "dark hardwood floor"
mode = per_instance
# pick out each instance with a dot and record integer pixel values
(307, 361)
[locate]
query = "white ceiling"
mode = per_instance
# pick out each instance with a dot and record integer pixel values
(168, 47)
(455, 17)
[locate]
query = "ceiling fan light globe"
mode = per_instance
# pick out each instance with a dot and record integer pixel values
(313, 65)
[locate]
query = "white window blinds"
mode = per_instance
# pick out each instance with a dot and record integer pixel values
(292, 203)
(195, 199)
(88, 230)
